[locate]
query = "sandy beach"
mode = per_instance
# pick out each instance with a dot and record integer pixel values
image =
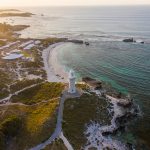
(55, 72)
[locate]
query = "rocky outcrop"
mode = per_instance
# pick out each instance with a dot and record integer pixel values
(76, 41)
(87, 43)
(92, 82)
(125, 103)
(129, 40)
(98, 135)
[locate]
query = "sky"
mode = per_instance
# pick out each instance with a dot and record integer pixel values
(11, 3)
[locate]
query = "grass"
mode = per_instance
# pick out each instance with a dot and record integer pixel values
(10, 126)
(26, 54)
(22, 84)
(80, 111)
(34, 67)
(41, 92)
(4, 81)
(82, 86)
(56, 145)
(37, 123)
(37, 117)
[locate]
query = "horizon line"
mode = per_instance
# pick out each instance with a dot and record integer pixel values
(77, 5)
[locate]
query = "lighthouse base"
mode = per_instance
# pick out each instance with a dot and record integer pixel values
(67, 94)
(72, 91)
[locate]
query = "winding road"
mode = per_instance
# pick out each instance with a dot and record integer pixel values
(58, 130)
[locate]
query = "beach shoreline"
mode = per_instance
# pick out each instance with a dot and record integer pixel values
(55, 72)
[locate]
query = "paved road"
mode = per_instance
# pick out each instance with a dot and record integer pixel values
(58, 128)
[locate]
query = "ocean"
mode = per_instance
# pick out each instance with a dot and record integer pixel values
(126, 66)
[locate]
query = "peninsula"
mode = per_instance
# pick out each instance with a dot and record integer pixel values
(40, 109)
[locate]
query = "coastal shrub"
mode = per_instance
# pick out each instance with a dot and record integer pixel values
(4, 78)
(3, 93)
(38, 116)
(10, 126)
(29, 64)
(4, 81)
(37, 123)
(82, 86)
(22, 84)
(41, 92)
(88, 107)
(2, 141)
(38, 73)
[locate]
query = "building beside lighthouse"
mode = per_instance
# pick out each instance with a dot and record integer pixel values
(72, 78)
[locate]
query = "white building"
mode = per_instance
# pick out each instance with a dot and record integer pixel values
(72, 78)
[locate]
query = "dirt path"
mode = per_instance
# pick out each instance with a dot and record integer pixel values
(6, 100)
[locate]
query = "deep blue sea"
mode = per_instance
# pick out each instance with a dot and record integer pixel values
(126, 66)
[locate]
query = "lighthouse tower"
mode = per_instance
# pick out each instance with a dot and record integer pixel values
(72, 78)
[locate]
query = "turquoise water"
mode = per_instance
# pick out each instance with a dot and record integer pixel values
(125, 65)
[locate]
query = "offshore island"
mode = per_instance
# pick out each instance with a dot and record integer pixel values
(42, 107)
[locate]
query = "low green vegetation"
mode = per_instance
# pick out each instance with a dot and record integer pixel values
(2, 43)
(56, 145)
(31, 65)
(82, 86)
(23, 126)
(26, 53)
(38, 93)
(78, 112)
(3, 92)
(4, 80)
(22, 84)
(38, 72)
(48, 41)
(2, 141)
(7, 30)
(9, 128)
(34, 67)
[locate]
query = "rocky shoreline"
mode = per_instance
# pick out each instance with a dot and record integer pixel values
(122, 109)
(132, 40)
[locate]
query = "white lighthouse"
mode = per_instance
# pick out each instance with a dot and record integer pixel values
(72, 78)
